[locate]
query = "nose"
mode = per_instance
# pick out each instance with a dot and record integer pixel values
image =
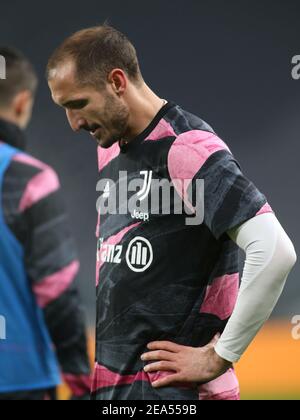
(75, 121)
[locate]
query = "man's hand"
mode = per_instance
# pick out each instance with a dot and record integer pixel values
(189, 364)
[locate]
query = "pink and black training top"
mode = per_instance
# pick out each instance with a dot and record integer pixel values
(157, 277)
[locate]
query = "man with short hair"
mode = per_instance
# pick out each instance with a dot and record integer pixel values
(171, 318)
(38, 262)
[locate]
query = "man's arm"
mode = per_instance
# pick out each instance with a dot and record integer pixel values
(53, 268)
(35, 213)
(65, 321)
(270, 256)
(231, 200)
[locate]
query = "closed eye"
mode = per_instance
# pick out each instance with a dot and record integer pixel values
(77, 104)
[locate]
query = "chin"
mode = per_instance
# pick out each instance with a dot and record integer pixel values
(107, 143)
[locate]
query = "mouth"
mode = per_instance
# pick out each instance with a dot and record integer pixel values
(96, 133)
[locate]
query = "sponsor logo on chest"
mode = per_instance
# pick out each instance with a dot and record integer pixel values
(138, 255)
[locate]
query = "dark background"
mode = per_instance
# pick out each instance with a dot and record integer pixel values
(227, 61)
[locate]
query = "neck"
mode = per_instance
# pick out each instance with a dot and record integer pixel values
(144, 105)
(11, 134)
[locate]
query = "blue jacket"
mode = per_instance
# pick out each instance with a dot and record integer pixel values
(27, 358)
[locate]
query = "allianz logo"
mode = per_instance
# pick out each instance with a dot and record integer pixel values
(138, 257)
(2, 328)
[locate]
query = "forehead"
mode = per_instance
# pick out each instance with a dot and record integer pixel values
(64, 70)
(62, 82)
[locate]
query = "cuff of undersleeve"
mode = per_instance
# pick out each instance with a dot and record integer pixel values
(227, 354)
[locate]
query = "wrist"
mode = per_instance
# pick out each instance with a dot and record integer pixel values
(219, 362)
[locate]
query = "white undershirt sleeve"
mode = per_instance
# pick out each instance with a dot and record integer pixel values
(270, 256)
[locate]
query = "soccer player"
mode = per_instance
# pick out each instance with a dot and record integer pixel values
(43, 332)
(171, 318)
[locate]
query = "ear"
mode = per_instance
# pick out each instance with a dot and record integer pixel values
(22, 101)
(118, 81)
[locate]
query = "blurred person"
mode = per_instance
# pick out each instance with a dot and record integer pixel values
(44, 321)
(172, 318)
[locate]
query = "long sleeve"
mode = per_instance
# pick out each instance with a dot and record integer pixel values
(34, 212)
(270, 256)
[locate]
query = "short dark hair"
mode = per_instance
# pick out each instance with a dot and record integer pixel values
(20, 75)
(96, 52)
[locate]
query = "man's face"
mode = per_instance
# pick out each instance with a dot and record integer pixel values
(99, 112)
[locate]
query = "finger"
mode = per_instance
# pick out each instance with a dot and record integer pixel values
(167, 381)
(160, 366)
(158, 355)
(164, 345)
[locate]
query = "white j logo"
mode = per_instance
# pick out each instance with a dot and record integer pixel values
(147, 185)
